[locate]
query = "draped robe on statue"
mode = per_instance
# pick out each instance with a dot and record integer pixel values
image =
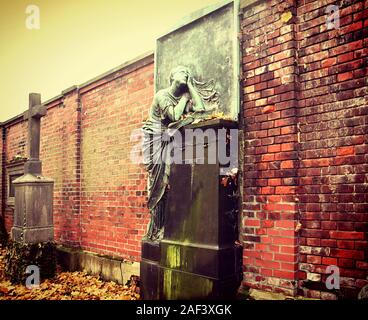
(158, 131)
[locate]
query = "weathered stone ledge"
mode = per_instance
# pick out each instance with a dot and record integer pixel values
(108, 268)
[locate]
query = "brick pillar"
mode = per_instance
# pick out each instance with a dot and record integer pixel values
(270, 212)
(68, 216)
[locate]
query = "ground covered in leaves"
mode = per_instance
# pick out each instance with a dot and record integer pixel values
(67, 286)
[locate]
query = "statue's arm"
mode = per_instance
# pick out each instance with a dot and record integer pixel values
(175, 112)
(198, 102)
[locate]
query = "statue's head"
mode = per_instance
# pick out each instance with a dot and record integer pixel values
(179, 75)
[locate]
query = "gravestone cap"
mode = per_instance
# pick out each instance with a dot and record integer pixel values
(31, 178)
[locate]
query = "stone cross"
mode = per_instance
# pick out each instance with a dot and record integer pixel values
(34, 114)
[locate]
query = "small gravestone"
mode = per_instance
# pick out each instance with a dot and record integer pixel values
(32, 234)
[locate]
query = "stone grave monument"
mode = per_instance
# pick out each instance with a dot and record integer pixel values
(32, 233)
(191, 249)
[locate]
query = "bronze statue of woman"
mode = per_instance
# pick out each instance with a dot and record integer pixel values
(184, 96)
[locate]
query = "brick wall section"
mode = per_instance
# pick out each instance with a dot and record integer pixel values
(16, 140)
(305, 123)
(15, 145)
(113, 212)
(59, 155)
(333, 132)
(271, 149)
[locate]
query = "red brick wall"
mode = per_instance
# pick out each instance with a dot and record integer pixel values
(271, 150)
(16, 141)
(333, 111)
(15, 146)
(113, 200)
(59, 148)
(305, 122)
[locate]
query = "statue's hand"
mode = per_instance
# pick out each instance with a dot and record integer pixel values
(186, 96)
(190, 82)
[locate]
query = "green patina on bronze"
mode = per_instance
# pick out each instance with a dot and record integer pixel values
(185, 100)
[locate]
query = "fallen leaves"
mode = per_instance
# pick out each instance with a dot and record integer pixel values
(69, 286)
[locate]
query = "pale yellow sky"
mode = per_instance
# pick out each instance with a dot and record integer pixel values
(77, 40)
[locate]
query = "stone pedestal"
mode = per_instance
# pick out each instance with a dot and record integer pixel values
(33, 231)
(33, 219)
(150, 270)
(198, 258)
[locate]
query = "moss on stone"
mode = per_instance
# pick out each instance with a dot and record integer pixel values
(175, 282)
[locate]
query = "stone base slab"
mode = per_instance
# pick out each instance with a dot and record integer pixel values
(110, 269)
(177, 271)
